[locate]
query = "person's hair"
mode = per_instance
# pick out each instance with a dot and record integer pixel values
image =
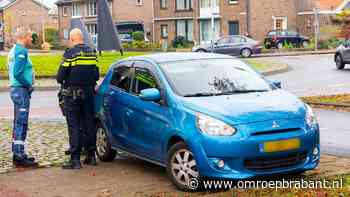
(22, 32)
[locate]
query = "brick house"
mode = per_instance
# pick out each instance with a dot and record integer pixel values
(16, 13)
(129, 15)
(192, 18)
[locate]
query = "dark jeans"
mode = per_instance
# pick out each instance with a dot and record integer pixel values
(21, 100)
(80, 119)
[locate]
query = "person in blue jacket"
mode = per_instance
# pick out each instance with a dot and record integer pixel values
(21, 77)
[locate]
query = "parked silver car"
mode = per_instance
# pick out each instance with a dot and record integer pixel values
(232, 45)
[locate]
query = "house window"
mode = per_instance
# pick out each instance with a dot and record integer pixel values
(280, 23)
(183, 4)
(232, 2)
(185, 28)
(23, 13)
(206, 32)
(163, 4)
(91, 8)
(65, 34)
(65, 11)
(139, 2)
(75, 9)
(209, 3)
(92, 29)
(164, 31)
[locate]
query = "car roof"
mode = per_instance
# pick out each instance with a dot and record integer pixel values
(178, 56)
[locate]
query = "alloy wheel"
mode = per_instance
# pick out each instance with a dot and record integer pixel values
(246, 53)
(280, 45)
(101, 141)
(305, 44)
(183, 166)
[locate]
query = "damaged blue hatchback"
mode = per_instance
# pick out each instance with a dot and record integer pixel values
(203, 115)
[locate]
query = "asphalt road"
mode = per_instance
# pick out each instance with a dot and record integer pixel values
(313, 75)
(309, 75)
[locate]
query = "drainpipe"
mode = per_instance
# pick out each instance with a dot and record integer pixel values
(153, 22)
(248, 16)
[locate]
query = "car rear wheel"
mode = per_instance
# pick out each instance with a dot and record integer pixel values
(339, 62)
(305, 44)
(201, 51)
(182, 168)
(246, 53)
(279, 45)
(104, 149)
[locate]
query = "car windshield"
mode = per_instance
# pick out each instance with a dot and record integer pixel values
(213, 77)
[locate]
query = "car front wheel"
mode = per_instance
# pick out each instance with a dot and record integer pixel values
(279, 45)
(339, 62)
(182, 168)
(104, 149)
(305, 44)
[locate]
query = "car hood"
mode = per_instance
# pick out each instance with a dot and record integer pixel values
(248, 108)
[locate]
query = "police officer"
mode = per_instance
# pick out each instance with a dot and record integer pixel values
(78, 75)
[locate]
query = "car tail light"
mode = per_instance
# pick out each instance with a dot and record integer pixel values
(274, 38)
(258, 44)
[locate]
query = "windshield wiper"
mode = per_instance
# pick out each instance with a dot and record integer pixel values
(242, 91)
(202, 94)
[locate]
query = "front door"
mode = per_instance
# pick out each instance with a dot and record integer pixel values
(146, 120)
(115, 103)
(233, 28)
(223, 46)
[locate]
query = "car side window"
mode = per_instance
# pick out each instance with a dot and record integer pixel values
(236, 39)
(224, 40)
(143, 79)
(122, 78)
(272, 33)
(292, 33)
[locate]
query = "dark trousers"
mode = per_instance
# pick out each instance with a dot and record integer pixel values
(80, 119)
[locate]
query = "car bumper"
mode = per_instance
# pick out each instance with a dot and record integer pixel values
(243, 159)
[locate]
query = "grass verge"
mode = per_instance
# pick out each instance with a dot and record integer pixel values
(47, 65)
(330, 102)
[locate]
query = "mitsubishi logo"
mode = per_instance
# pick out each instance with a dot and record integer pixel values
(275, 125)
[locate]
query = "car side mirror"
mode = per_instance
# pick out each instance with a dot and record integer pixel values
(150, 94)
(276, 83)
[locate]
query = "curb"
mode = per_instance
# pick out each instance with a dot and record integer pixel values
(294, 53)
(343, 105)
(51, 88)
(281, 69)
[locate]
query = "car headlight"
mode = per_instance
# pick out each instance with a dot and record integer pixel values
(310, 117)
(214, 127)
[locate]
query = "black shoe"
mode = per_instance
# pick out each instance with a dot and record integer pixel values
(25, 162)
(90, 160)
(72, 165)
(30, 158)
(67, 152)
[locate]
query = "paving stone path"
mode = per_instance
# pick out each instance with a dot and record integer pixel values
(45, 141)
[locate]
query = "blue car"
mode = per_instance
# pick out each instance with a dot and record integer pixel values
(203, 115)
